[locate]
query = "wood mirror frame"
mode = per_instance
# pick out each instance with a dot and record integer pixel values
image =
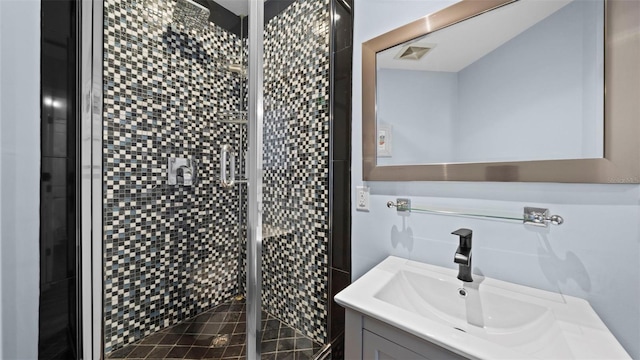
(621, 161)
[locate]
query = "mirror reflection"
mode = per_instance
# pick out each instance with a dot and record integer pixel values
(519, 83)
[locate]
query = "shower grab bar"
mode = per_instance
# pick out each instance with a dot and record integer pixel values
(226, 152)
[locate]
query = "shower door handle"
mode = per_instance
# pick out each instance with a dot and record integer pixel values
(227, 162)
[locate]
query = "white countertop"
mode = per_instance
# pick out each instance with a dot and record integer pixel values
(495, 320)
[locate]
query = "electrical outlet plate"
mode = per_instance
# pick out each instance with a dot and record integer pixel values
(362, 198)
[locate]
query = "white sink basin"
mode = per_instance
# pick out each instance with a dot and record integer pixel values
(488, 314)
(485, 319)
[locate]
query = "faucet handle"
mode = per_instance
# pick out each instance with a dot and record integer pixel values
(465, 237)
(187, 176)
(463, 232)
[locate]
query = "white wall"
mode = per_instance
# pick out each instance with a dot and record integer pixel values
(19, 177)
(426, 105)
(479, 112)
(595, 255)
(557, 116)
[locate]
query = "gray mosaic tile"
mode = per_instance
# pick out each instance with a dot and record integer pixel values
(296, 166)
(172, 253)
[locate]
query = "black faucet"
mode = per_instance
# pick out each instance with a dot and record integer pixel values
(463, 254)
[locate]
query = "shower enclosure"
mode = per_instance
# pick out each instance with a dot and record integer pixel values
(208, 134)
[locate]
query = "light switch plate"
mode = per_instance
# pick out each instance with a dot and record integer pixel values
(362, 198)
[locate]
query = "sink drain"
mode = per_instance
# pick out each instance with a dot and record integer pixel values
(462, 292)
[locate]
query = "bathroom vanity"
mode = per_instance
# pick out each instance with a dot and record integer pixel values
(402, 309)
(377, 340)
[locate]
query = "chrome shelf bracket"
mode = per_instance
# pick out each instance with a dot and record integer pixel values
(540, 217)
(401, 205)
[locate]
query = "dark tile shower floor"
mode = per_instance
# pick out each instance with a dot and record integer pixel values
(220, 334)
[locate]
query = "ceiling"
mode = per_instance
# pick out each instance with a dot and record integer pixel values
(458, 46)
(238, 7)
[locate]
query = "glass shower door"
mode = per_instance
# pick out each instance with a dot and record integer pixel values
(170, 249)
(174, 259)
(288, 209)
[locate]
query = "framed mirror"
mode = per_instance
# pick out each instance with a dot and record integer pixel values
(506, 90)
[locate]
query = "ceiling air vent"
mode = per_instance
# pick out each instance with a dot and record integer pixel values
(412, 52)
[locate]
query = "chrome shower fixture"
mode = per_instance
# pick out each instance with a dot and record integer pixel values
(161, 13)
(153, 13)
(191, 14)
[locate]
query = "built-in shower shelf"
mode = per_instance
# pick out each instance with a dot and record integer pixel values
(232, 121)
(231, 117)
(237, 68)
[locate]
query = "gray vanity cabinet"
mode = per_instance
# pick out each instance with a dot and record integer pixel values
(370, 339)
(379, 348)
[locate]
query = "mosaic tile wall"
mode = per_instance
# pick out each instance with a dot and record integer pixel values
(296, 166)
(170, 252)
